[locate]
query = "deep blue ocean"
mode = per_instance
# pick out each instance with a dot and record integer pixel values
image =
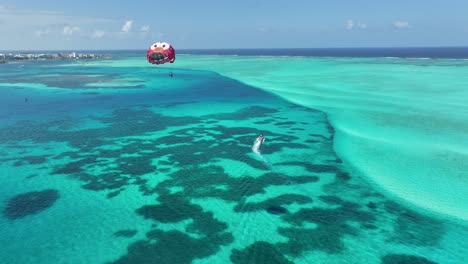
(400, 52)
(438, 52)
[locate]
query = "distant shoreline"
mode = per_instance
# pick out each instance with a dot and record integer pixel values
(372, 52)
(231, 48)
(15, 56)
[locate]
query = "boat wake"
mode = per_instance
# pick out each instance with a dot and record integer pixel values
(256, 149)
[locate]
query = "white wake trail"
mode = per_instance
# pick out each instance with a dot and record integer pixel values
(256, 149)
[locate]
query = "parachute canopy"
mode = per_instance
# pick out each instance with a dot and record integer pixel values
(160, 53)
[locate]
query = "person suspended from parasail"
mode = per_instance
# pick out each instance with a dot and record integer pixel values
(160, 53)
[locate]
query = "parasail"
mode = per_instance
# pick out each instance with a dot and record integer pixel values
(160, 53)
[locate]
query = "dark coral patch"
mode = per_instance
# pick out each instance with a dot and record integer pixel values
(30, 203)
(405, 259)
(125, 233)
(332, 225)
(286, 123)
(104, 181)
(264, 122)
(323, 238)
(202, 182)
(259, 252)
(30, 160)
(172, 247)
(330, 199)
(322, 137)
(274, 205)
(113, 194)
(414, 228)
(342, 176)
(370, 226)
(172, 209)
(372, 205)
(135, 166)
(276, 210)
(206, 225)
(32, 176)
(172, 104)
(312, 141)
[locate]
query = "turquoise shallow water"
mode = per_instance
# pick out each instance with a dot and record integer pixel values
(401, 122)
(115, 162)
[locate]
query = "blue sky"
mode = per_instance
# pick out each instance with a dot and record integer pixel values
(105, 24)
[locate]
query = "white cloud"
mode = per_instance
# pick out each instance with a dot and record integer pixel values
(350, 24)
(145, 28)
(55, 31)
(40, 18)
(98, 34)
(401, 24)
(21, 24)
(43, 32)
(127, 26)
(49, 29)
(362, 25)
(68, 30)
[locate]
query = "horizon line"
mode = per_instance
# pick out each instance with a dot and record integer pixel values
(318, 48)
